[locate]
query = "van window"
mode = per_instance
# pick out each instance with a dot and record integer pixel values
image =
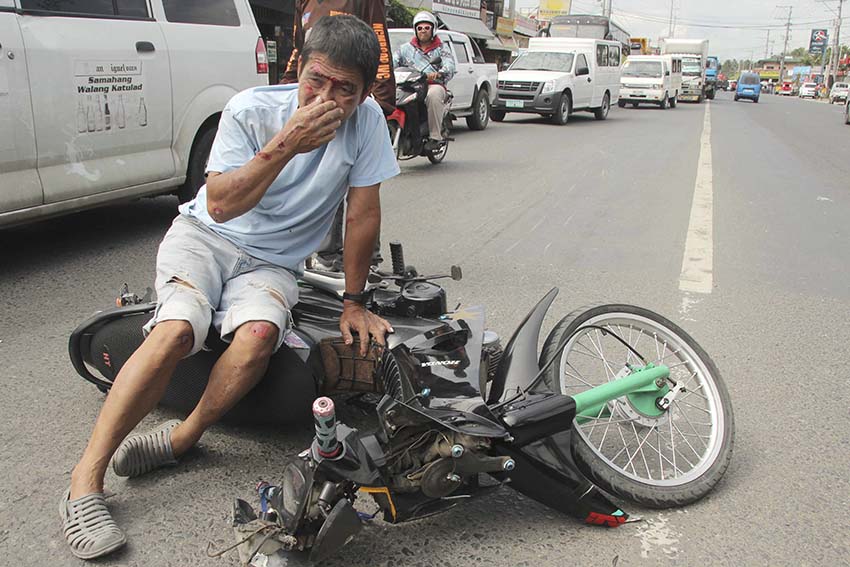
(477, 57)
(460, 52)
(646, 69)
(602, 55)
(581, 62)
(210, 12)
(613, 56)
(128, 8)
(749, 79)
(545, 61)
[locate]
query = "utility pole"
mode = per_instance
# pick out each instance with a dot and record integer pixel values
(607, 8)
(836, 51)
(672, 25)
(785, 48)
(767, 45)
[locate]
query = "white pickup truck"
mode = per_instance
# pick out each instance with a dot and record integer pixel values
(474, 84)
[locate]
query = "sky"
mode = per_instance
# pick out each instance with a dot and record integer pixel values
(738, 28)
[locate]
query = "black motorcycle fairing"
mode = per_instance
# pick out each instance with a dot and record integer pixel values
(546, 471)
(519, 362)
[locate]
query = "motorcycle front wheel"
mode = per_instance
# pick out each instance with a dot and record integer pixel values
(659, 459)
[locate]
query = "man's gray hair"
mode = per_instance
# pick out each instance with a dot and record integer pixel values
(346, 41)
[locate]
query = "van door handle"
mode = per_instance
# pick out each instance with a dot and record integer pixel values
(589, 80)
(471, 70)
(144, 47)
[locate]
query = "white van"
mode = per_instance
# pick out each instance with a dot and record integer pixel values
(105, 101)
(558, 76)
(655, 79)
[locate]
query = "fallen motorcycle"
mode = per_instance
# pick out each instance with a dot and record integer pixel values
(620, 401)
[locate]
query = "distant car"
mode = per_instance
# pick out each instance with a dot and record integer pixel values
(748, 87)
(809, 90)
(787, 89)
(839, 92)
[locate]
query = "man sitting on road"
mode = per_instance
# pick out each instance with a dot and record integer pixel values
(422, 53)
(283, 160)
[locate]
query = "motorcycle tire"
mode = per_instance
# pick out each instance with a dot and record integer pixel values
(588, 336)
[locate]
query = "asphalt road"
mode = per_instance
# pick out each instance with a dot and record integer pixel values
(599, 209)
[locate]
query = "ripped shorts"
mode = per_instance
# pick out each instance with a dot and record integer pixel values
(204, 279)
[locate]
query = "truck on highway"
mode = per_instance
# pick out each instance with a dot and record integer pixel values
(711, 70)
(694, 54)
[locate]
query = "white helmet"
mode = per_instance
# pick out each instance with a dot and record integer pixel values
(424, 16)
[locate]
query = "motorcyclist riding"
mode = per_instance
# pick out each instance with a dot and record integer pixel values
(422, 53)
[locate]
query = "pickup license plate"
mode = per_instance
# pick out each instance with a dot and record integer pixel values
(514, 103)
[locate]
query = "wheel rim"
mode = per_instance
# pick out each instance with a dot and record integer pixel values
(606, 104)
(438, 155)
(671, 450)
(564, 110)
(482, 109)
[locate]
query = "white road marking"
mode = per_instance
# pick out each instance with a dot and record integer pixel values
(822, 198)
(697, 262)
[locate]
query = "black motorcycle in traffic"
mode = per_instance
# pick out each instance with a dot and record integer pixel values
(619, 402)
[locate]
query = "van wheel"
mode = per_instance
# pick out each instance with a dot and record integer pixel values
(663, 104)
(674, 101)
(197, 165)
(621, 104)
(497, 115)
(480, 116)
(563, 111)
(601, 113)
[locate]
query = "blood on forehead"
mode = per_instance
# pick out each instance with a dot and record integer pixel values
(319, 70)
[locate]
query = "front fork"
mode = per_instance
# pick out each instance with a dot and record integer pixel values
(647, 389)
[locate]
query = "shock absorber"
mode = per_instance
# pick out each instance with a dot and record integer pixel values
(324, 417)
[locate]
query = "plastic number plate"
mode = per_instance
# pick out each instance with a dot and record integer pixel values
(513, 103)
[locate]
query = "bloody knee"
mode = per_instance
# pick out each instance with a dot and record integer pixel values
(259, 336)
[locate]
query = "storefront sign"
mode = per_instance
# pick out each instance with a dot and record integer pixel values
(818, 41)
(504, 27)
(551, 8)
(525, 26)
(467, 8)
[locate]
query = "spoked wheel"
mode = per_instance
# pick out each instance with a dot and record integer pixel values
(658, 458)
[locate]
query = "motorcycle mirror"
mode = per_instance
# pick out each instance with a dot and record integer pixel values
(457, 274)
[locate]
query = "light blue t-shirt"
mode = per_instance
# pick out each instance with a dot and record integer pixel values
(296, 213)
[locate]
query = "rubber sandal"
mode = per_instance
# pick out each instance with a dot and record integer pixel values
(88, 526)
(143, 453)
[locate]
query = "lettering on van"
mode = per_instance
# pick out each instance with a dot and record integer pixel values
(110, 96)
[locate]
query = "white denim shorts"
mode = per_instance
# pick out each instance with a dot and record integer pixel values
(204, 279)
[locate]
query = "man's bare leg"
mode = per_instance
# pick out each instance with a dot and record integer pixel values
(137, 389)
(238, 370)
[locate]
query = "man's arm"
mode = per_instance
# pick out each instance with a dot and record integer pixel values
(448, 67)
(363, 223)
(373, 13)
(237, 191)
(290, 75)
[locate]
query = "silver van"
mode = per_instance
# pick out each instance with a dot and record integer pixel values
(103, 101)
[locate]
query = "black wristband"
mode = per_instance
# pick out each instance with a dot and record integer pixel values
(360, 298)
